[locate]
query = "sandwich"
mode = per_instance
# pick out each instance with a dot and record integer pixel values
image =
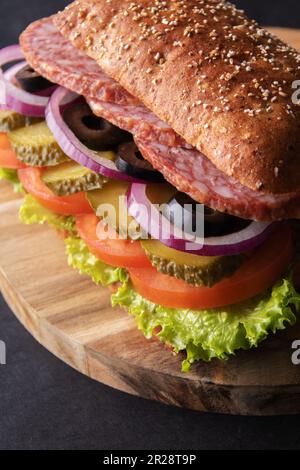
(161, 139)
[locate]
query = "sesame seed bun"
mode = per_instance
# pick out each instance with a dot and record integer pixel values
(223, 83)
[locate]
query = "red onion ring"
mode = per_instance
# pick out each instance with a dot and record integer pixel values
(152, 221)
(12, 97)
(71, 146)
(9, 75)
(12, 71)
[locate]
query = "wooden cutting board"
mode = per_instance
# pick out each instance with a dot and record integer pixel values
(73, 319)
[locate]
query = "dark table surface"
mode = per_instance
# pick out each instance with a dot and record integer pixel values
(45, 404)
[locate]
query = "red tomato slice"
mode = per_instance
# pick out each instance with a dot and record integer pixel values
(8, 158)
(113, 251)
(259, 272)
(66, 205)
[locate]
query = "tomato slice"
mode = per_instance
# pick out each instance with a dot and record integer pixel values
(259, 272)
(113, 251)
(8, 158)
(66, 205)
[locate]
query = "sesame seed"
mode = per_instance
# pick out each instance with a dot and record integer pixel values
(89, 41)
(159, 58)
(155, 81)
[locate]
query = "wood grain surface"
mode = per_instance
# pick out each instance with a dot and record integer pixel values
(73, 319)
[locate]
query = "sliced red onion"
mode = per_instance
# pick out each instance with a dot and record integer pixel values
(14, 98)
(71, 146)
(155, 223)
(7, 54)
(9, 75)
(12, 71)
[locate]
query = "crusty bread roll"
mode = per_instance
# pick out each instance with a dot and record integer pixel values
(222, 82)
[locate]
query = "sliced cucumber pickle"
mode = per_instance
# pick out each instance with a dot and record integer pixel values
(108, 154)
(10, 120)
(70, 178)
(193, 269)
(109, 204)
(35, 145)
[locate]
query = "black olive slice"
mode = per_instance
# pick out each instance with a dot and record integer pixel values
(218, 223)
(131, 162)
(94, 132)
(29, 80)
(182, 211)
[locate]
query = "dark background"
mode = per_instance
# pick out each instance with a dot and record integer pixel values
(45, 404)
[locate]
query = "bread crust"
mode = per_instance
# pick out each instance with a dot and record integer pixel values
(223, 83)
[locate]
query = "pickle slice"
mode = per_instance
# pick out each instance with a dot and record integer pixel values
(10, 120)
(35, 145)
(193, 269)
(109, 204)
(108, 154)
(70, 178)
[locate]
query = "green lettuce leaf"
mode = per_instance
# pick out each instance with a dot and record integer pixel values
(80, 258)
(32, 212)
(214, 333)
(12, 177)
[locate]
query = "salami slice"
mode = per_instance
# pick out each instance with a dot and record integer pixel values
(139, 121)
(54, 57)
(192, 173)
